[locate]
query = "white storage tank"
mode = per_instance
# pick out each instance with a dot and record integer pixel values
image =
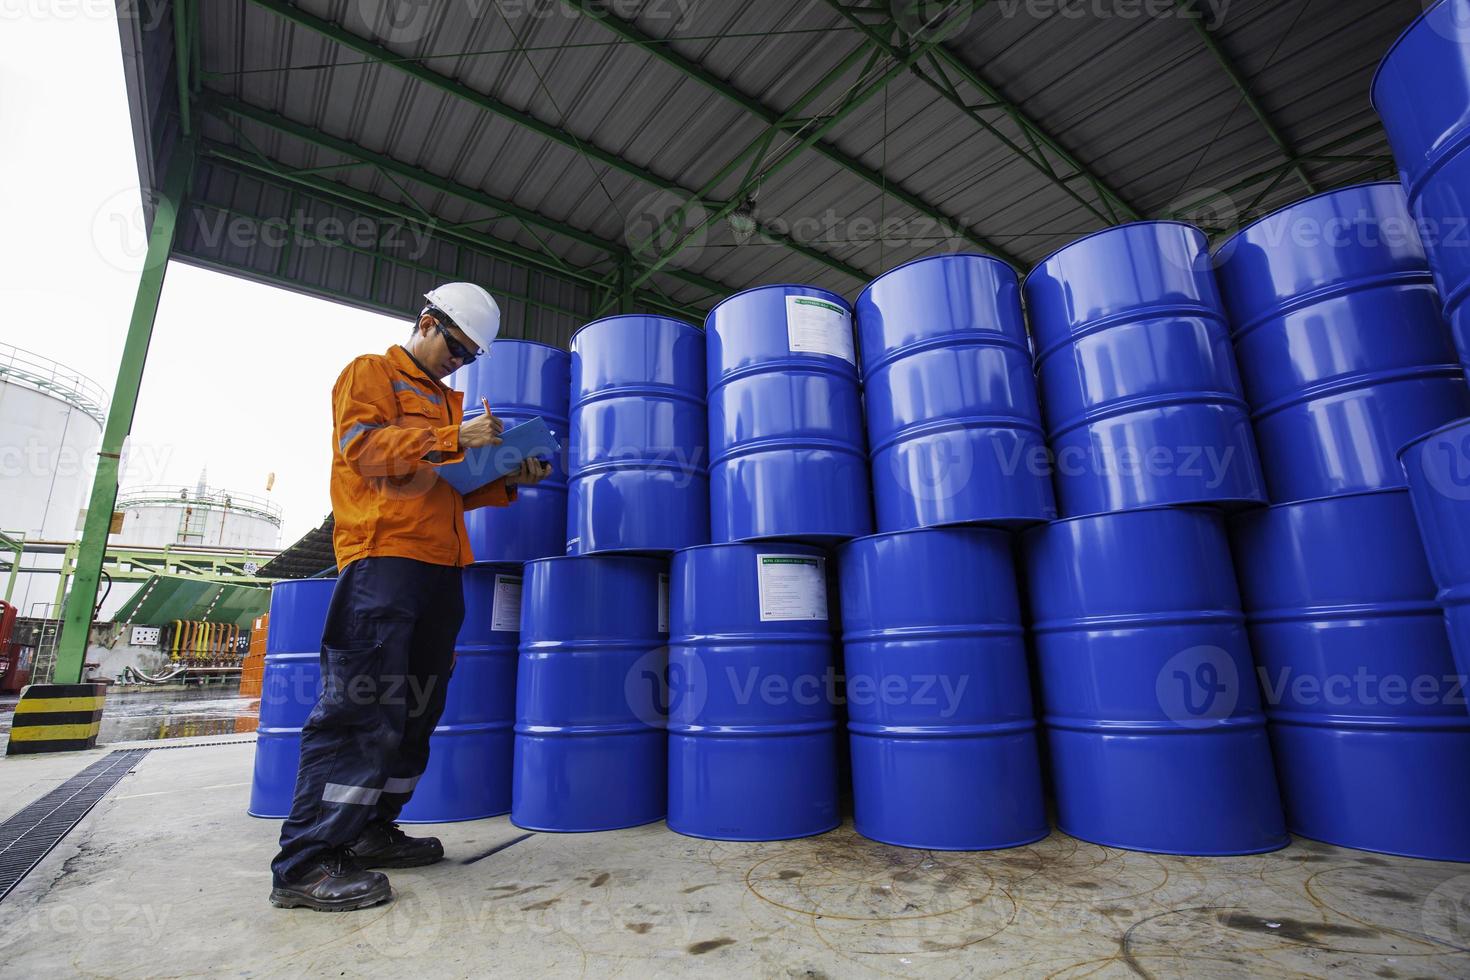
(50, 430)
(201, 516)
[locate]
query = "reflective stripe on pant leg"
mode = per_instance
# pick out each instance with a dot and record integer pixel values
(361, 795)
(400, 785)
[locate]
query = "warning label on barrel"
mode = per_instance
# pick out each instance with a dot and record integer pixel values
(663, 602)
(792, 587)
(816, 326)
(505, 608)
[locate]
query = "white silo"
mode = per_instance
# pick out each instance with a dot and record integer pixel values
(199, 516)
(50, 429)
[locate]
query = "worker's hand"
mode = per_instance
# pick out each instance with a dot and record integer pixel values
(532, 472)
(482, 430)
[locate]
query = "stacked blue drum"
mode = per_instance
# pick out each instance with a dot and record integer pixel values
(1342, 348)
(590, 749)
(786, 440)
(954, 427)
(639, 479)
(1138, 380)
(1437, 465)
(753, 736)
(1422, 94)
(469, 773)
(1155, 729)
(1368, 719)
(942, 731)
(1345, 358)
(521, 380)
(289, 688)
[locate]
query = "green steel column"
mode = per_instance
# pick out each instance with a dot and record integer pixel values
(18, 547)
(77, 620)
(625, 293)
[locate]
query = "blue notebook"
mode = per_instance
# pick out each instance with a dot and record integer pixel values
(489, 463)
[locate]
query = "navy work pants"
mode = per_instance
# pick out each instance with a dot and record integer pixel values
(387, 653)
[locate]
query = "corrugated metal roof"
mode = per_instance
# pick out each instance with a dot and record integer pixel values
(540, 107)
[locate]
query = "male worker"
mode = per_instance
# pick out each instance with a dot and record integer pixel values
(388, 647)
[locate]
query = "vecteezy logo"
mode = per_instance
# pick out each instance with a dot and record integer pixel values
(1445, 915)
(931, 20)
(1450, 21)
(646, 687)
(664, 222)
(934, 470)
(397, 21)
(1446, 462)
(120, 229)
(1207, 208)
(1199, 686)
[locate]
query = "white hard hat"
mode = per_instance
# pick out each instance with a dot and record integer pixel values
(471, 308)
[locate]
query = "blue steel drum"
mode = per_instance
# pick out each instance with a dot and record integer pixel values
(590, 749)
(1156, 736)
(640, 480)
(1342, 348)
(1368, 721)
(522, 380)
(1438, 468)
(752, 720)
(1138, 380)
(785, 418)
(1422, 94)
(954, 427)
(470, 750)
(289, 687)
(940, 720)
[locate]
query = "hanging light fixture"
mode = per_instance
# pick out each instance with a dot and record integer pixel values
(742, 221)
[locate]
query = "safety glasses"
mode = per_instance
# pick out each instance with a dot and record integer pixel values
(456, 349)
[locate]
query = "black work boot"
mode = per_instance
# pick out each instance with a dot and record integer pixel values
(336, 883)
(383, 845)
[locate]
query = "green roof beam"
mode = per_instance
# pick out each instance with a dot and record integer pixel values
(1191, 14)
(1110, 203)
(419, 72)
(664, 52)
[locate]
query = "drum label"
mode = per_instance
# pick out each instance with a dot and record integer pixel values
(792, 587)
(505, 608)
(815, 326)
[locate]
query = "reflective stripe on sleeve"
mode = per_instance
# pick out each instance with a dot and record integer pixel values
(354, 432)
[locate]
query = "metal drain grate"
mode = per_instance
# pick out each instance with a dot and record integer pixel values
(30, 835)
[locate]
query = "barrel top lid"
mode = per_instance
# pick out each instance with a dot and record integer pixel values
(1430, 435)
(773, 547)
(1106, 231)
(1298, 203)
(1392, 48)
(779, 285)
(528, 343)
(1170, 508)
(610, 557)
(933, 258)
(968, 530)
(630, 316)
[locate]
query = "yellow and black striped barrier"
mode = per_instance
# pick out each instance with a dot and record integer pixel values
(56, 718)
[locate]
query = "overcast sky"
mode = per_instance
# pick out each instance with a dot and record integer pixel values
(239, 375)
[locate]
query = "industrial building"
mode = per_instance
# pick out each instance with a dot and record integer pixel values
(944, 488)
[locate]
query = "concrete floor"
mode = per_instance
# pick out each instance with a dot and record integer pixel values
(168, 876)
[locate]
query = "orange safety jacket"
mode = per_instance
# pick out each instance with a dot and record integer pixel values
(392, 425)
